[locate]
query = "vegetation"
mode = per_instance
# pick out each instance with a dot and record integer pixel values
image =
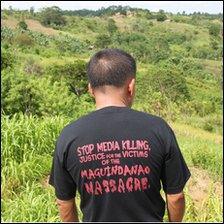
(22, 25)
(44, 87)
(161, 16)
(52, 16)
(214, 29)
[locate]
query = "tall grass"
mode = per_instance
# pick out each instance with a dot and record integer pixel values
(27, 147)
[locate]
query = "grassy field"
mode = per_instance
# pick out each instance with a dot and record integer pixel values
(29, 144)
(35, 78)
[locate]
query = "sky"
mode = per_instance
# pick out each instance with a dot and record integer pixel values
(168, 6)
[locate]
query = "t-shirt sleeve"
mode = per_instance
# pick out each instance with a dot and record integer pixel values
(175, 172)
(60, 178)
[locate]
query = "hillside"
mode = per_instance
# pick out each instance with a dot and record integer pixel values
(44, 87)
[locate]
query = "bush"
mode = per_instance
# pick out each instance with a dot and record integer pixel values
(103, 41)
(7, 59)
(158, 49)
(19, 94)
(111, 26)
(22, 25)
(176, 38)
(39, 96)
(57, 99)
(190, 64)
(24, 40)
(161, 16)
(91, 24)
(40, 38)
(74, 75)
(141, 25)
(214, 44)
(171, 83)
(70, 44)
(32, 67)
(7, 34)
(37, 51)
(214, 29)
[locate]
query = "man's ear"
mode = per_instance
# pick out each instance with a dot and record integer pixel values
(90, 89)
(131, 87)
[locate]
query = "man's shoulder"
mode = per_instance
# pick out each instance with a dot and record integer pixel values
(75, 125)
(148, 117)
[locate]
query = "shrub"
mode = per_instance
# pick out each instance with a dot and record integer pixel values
(57, 99)
(37, 51)
(158, 49)
(7, 59)
(111, 26)
(177, 19)
(19, 94)
(91, 24)
(176, 38)
(171, 83)
(70, 44)
(141, 25)
(205, 52)
(40, 38)
(73, 73)
(214, 44)
(7, 34)
(24, 40)
(32, 67)
(161, 16)
(103, 41)
(190, 64)
(214, 29)
(22, 25)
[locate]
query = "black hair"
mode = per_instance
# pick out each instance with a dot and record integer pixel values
(110, 67)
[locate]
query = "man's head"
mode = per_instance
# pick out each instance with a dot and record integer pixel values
(111, 74)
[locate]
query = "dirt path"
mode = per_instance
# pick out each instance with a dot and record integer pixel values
(199, 186)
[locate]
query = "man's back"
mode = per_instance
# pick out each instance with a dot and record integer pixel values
(116, 157)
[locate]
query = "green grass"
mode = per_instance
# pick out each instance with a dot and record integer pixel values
(32, 141)
(201, 149)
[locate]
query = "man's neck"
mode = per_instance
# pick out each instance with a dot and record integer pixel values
(106, 102)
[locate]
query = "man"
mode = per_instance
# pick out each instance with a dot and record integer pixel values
(116, 156)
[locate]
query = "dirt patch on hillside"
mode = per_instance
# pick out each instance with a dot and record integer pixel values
(200, 185)
(33, 25)
(36, 26)
(11, 23)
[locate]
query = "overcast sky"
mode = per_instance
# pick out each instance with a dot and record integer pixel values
(169, 6)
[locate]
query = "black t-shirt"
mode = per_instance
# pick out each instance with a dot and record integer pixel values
(116, 158)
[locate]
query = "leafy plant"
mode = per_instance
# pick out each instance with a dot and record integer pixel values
(22, 25)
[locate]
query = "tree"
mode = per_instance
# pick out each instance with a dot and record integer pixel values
(52, 16)
(10, 10)
(111, 26)
(32, 10)
(161, 16)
